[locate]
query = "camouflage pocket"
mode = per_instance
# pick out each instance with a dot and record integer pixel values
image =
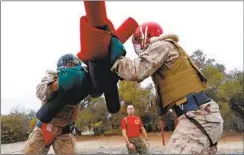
(214, 118)
(65, 144)
(35, 143)
(213, 115)
(37, 134)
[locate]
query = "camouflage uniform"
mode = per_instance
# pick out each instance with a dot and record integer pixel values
(139, 144)
(188, 139)
(162, 54)
(63, 143)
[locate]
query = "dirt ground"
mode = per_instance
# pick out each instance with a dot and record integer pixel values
(230, 143)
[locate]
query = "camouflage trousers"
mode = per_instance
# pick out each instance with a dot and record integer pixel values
(189, 139)
(63, 144)
(139, 144)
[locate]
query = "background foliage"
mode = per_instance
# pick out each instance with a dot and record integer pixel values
(225, 88)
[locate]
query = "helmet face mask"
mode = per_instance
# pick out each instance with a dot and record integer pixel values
(137, 48)
(137, 44)
(142, 35)
(68, 61)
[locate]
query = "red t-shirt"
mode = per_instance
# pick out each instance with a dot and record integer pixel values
(133, 125)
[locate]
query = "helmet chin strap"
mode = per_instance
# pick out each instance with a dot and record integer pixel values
(145, 37)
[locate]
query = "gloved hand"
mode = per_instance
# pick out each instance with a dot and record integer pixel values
(116, 49)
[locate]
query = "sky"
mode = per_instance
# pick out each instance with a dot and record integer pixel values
(35, 34)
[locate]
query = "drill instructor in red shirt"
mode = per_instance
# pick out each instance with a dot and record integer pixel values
(132, 127)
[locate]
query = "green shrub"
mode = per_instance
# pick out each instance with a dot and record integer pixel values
(13, 128)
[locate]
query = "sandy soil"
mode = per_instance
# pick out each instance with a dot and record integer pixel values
(229, 144)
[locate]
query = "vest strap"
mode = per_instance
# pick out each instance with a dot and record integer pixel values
(197, 124)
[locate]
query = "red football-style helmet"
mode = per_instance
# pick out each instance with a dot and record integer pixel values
(142, 35)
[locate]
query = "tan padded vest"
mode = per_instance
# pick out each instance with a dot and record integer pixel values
(183, 78)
